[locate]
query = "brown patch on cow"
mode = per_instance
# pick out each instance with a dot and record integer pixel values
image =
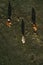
(8, 23)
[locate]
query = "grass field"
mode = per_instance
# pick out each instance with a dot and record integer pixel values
(12, 51)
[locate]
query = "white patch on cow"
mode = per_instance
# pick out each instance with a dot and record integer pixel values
(8, 19)
(18, 20)
(23, 39)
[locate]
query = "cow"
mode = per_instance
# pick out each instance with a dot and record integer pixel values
(23, 31)
(8, 23)
(34, 26)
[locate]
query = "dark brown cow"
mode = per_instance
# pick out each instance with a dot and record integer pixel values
(8, 23)
(34, 20)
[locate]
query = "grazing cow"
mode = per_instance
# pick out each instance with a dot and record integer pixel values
(34, 20)
(8, 23)
(23, 30)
